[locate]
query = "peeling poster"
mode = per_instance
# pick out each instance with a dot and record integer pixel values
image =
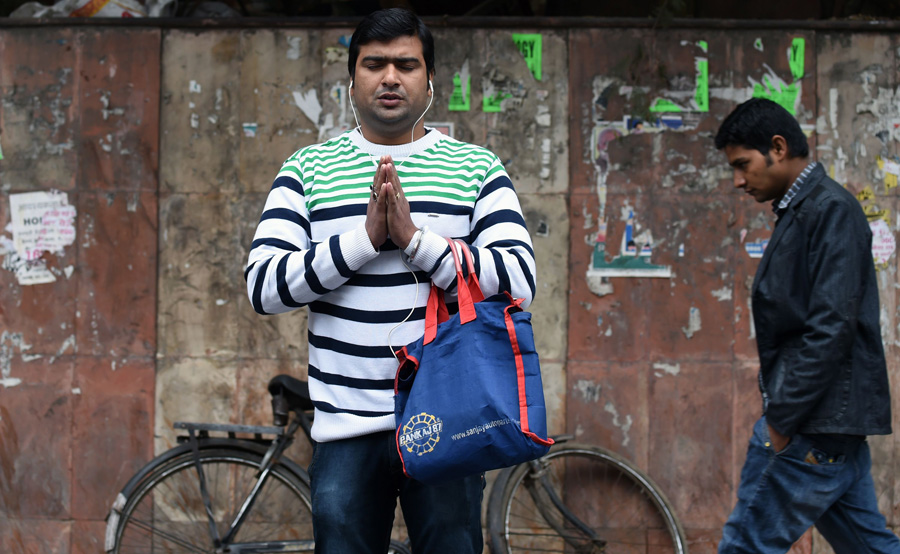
(461, 97)
(700, 96)
(891, 170)
(883, 243)
(41, 222)
(530, 47)
(776, 89)
(756, 249)
(493, 103)
(796, 57)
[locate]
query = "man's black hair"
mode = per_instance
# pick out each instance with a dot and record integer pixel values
(385, 26)
(754, 123)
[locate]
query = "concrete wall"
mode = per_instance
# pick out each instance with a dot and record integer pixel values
(161, 144)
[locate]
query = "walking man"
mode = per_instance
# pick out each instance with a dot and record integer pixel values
(354, 229)
(822, 374)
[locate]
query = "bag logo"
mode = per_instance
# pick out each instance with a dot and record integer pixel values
(421, 433)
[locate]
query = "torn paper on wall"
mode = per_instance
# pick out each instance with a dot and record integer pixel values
(632, 261)
(756, 249)
(891, 171)
(777, 89)
(308, 102)
(40, 222)
(883, 243)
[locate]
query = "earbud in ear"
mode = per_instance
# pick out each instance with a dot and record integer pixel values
(430, 86)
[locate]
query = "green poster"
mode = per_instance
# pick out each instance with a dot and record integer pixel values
(493, 103)
(663, 105)
(701, 94)
(701, 87)
(785, 95)
(781, 92)
(461, 97)
(796, 57)
(530, 47)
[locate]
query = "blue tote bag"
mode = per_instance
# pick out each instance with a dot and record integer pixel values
(467, 395)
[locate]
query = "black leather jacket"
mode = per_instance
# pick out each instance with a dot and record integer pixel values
(815, 308)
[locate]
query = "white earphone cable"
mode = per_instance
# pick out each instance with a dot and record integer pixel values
(399, 250)
(413, 309)
(412, 133)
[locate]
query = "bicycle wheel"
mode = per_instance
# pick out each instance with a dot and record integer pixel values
(166, 513)
(616, 507)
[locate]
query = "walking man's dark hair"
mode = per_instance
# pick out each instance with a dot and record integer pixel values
(754, 123)
(385, 26)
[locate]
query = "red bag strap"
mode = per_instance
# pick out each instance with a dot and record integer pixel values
(515, 305)
(432, 312)
(463, 293)
(436, 310)
(472, 279)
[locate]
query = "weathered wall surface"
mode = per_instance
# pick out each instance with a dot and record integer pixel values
(160, 145)
(79, 115)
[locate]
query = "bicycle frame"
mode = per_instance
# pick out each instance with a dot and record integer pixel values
(549, 504)
(538, 483)
(266, 455)
(283, 439)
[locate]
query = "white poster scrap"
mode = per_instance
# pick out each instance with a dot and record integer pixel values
(41, 222)
(883, 242)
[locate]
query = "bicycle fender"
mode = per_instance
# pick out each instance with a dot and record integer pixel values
(203, 444)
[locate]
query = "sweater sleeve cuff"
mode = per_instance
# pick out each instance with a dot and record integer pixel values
(356, 247)
(430, 250)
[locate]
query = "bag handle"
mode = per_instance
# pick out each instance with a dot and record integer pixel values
(472, 279)
(436, 310)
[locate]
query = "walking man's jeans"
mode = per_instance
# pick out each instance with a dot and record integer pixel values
(355, 484)
(782, 495)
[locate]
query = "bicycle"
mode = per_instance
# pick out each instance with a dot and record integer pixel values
(233, 494)
(581, 499)
(241, 495)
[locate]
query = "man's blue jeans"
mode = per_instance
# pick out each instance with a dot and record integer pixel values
(782, 495)
(355, 485)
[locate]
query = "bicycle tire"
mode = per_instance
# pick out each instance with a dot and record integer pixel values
(165, 513)
(615, 499)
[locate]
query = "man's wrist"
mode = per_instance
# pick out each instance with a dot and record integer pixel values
(371, 238)
(356, 247)
(415, 242)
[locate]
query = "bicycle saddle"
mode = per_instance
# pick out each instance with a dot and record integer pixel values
(295, 391)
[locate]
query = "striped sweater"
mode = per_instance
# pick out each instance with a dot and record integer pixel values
(311, 249)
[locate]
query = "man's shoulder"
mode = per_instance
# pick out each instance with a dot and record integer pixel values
(456, 147)
(826, 190)
(327, 148)
(829, 199)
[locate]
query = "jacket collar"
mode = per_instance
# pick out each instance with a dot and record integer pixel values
(815, 176)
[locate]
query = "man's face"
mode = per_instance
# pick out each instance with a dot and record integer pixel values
(390, 88)
(756, 173)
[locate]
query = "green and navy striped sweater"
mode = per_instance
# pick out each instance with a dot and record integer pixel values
(311, 249)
